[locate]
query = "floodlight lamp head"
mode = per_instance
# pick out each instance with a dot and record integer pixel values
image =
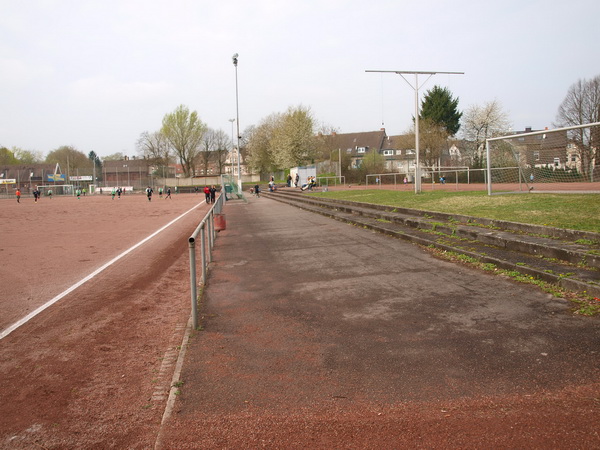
(235, 58)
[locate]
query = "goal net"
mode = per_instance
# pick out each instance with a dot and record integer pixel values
(557, 160)
(430, 176)
(58, 189)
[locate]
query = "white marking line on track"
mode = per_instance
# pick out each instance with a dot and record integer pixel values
(46, 305)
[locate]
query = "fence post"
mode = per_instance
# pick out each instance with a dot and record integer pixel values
(206, 231)
(203, 245)
(193, 283)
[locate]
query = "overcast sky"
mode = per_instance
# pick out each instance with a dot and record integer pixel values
(96, 74)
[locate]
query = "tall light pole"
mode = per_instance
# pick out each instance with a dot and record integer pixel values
(237, 115)
(232, 147)
(94, 171)
(416, 89)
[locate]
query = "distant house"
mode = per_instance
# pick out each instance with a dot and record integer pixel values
(549, 150)
(398, 151)
(356, 145)
(573, 158)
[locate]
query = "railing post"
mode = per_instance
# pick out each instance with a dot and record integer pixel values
(209, 237)
(193, 283)
(203, 245)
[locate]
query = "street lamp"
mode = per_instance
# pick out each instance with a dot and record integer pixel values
(237, 114)
(416, 89)
(233, 147)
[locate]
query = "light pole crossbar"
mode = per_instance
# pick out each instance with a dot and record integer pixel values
(416, 89)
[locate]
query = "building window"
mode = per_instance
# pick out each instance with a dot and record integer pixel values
(536, 155)
(410, 152)
(557, 162)
(361, 149)
(398, 152)
(388, 153)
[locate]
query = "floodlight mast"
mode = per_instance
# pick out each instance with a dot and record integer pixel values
(237, 115)
(416, 87)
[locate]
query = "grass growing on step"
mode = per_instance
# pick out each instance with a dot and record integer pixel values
(576, 211)
(583, 304)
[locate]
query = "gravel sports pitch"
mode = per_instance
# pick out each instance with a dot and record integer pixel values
(117, 275)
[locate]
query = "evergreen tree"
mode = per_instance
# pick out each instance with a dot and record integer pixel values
(440, 107)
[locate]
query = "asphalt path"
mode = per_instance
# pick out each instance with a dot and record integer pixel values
(306, 319)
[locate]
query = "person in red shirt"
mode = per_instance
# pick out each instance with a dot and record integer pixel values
(207, 193)
(18, 193)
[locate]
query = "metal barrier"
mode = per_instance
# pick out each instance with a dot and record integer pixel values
(206, 230)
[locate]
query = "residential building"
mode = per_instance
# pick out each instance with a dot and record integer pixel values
(549, 150)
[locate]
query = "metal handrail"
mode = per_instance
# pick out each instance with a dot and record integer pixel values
(205, 225)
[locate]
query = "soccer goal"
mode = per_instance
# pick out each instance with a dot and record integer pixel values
(440, 175)
(331, 181)
(561, 160)
(58, 189)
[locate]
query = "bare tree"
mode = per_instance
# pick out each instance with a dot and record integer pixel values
(221, 150)
(328, 150)
(155, 148)
(326, 142)
(581, 106)
(481, 123)
(433, 140)
(206, 153)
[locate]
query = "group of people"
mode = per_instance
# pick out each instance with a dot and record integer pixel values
(296, 180)
(210, 193)
(311, 182)
(36, 194)
(117, 191)
(167, 191)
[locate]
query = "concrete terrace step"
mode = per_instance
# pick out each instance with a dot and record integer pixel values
(568, 258)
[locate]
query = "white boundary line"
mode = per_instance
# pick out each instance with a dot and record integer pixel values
(51, 302)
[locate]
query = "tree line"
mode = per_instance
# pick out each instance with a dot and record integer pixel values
(293, 138)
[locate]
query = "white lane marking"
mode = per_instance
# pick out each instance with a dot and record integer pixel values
(35, 312)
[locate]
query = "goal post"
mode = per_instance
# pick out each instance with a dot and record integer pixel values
(550, 160)
(58, 189)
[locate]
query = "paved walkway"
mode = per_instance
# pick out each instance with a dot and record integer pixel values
(317, 333)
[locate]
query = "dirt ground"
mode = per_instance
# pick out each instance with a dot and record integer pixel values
(93, 370)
